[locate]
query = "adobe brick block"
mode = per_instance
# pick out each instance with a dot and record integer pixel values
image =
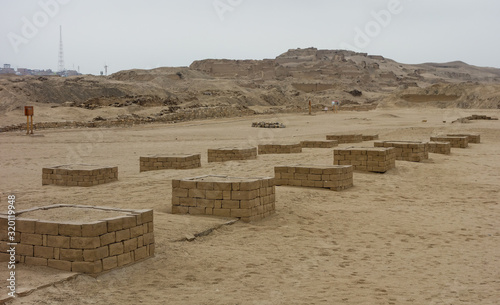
(108, 238)
(35, 261)
(125, 259)
(25, 225)
(71, 255)
(129, 245)
(59, 264)
(140, 253)
(122, 235)
(116, 248)
(44, 252)
(69, 229)
(85, 242)
(86, 267)
(32, 239)
(93, 229)
(95, 254)
(109, 263)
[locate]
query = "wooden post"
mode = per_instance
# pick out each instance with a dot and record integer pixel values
(28, 112)
(310, 107)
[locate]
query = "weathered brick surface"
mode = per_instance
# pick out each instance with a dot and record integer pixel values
(370, 137)
(90, 247)
(471, 137)
(232, 154)
(439, 147)
(319, 144)
(346, 138)
(159, 162)
(79, 175)
(224, 196)
(456, 142)
(280, 148)
(372, 159)
(334, 177)
(407, 150)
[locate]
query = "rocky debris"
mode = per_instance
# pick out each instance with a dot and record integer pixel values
(355, 92)
(268, 125)
(474, 117)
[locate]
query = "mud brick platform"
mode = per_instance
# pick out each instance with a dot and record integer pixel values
(370, 137)
(79, 238)
(232, 154)
(334, 177)
(406, 150)
(372, 159)
(158, 162)
(456, 142)
(346, 138)
(319, 144)
(79, 175)
(249, 199)
(439, 147)
(471, 137)
(279, 148)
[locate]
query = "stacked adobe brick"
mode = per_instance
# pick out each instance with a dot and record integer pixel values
(334, 177)
(249, 199)
(346, 138)
(456, 142)
(370, 137)
(87, 247)
(279, 148)
(372, 159)
(232, 154)
(169, 162)
(471, 137)
(439, 147)
(406, 150)
(79, 175)
(319, 144)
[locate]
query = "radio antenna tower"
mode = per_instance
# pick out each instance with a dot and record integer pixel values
(60, 64)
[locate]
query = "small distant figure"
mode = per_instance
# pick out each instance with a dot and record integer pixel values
(335, 106)
(325, 109)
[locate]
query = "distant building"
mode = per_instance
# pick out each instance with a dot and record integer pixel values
(7, 69)
(25, 71)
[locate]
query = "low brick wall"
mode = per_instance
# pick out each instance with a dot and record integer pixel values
(346, 138)
(406, 150)
(231, 154)
(456, 142)
(334, 177)
(439, 147)
(79, 175)
(83, 246)
(370, 137)
(279, 148)
(372, 159)
(249, 199)
(158, 162)
(471, 137)
(319, 144)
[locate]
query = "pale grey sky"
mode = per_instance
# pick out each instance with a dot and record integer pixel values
(126, 34)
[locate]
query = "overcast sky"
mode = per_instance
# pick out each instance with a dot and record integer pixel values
(127, 34)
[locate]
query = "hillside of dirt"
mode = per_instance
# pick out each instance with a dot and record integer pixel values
(241, 87)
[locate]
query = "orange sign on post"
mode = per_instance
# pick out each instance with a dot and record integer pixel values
(28, 112)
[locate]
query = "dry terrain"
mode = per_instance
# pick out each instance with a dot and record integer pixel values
(423, 233)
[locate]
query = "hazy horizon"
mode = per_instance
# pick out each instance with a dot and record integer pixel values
(150, 34)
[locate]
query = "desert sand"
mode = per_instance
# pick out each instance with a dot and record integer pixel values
(423, 233)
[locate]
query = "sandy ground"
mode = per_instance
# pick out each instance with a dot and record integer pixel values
(423, 233)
